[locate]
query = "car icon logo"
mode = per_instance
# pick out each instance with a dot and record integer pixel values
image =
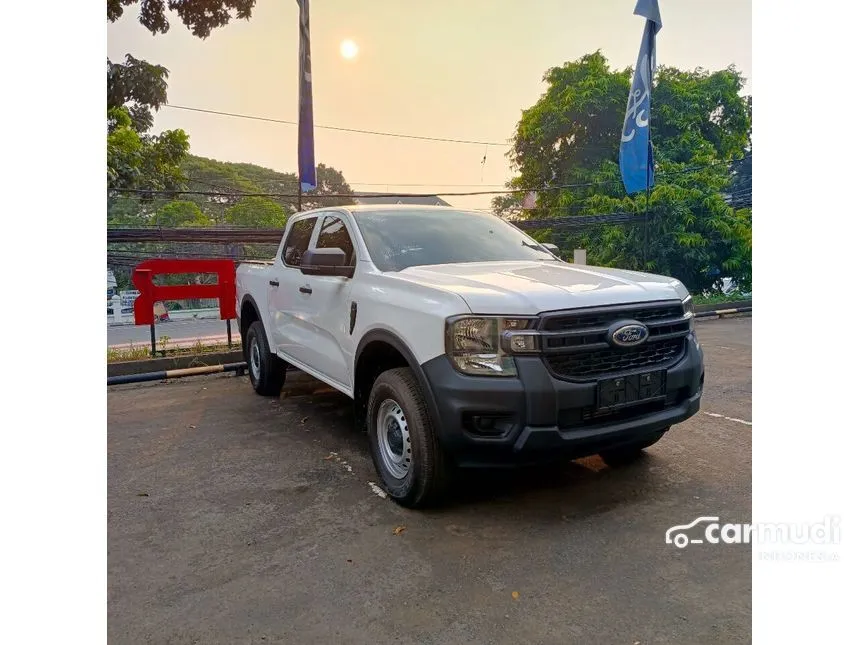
(627, 333)
(677, 535)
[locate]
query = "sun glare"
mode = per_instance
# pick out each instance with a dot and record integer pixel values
(348, 49)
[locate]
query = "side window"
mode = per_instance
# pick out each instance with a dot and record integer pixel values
(334, 235)
(298, 240)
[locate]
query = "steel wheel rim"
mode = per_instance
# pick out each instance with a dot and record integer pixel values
(392, 434)
(255, 360)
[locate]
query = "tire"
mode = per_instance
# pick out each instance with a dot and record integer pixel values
(631, 452)
(414, 469)
(266, 371)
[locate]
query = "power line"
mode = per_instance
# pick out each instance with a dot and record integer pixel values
(426, 185)
(233, 193)
(378, 133)
(362, 183)
(272, 236)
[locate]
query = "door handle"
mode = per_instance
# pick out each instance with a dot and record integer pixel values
(274, 283)
(306, 290)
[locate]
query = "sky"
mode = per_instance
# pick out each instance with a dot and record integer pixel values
(447, 68)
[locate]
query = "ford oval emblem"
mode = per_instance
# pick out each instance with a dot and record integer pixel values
(628, 333)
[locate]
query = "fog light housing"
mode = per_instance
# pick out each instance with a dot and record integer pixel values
(489, 424)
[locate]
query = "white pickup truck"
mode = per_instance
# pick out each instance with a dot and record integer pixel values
(464, 342)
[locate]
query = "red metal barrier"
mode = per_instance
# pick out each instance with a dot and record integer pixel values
(150, 293)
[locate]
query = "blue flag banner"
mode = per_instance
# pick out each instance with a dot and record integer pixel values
(636, 155)
(307, 164)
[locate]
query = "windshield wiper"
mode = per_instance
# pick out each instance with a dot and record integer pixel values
(537, 247)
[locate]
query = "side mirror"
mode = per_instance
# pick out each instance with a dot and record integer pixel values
(325, 262)
(552, 248)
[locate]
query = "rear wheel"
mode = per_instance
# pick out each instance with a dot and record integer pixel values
(403, 442)
(266, 371)
(631, 452)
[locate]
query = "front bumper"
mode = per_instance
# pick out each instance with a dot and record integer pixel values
(535, 417)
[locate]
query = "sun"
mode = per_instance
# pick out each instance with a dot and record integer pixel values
(348, 49)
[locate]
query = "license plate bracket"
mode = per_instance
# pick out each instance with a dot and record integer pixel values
(631, 389)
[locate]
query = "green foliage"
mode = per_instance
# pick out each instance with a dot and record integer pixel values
(180, 214)
(129, 211)
(209, 175)
(138, 86)
(699, 124)
(714, 298)
(741, 186)
(329, 182)
(256, 212)
(140, 161)
(135, 88)
(142, 351)
(200, 16)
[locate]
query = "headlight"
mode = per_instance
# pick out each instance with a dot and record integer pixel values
(482, 345)
(689, 311)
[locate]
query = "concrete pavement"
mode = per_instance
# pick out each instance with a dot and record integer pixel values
(233, 518)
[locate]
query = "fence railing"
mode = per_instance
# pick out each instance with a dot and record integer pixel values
(224, 290)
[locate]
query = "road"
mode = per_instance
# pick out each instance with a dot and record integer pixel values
(180, 330)
(238, 519)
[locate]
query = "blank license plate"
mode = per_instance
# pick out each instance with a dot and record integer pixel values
(625, 390)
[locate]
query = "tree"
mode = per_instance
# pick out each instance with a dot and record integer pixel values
(135, 88)
(257, 212)
(232, 180)
(200, 16)
(180, 214)
(138, 86)
(740, 190)
(209, 175)
(700, 124)
(129, 211)
(329, 182)
(139, 161)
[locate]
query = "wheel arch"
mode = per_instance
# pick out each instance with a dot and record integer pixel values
(379, 343)
(248, 312)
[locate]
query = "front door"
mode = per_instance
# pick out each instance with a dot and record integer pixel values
(331, 351)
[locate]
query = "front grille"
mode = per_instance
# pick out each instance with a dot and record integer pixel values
(604, 361)
(605, 317)
(576, 346)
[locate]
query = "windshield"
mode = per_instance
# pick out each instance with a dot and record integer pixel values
(398, 239)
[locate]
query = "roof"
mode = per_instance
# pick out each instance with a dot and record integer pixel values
(385, 198)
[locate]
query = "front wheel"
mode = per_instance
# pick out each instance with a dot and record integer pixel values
(266, 371)
(631, 452)
(403, 442)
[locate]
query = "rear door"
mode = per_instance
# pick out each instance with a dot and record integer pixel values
(289, 305)
(332, 349)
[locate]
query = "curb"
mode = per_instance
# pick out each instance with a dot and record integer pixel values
(719, 313)
(239, 368)
(126, 368)
(746, 305)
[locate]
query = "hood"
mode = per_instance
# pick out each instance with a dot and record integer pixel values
(532, 287)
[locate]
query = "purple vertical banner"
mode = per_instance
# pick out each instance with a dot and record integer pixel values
(307, 165)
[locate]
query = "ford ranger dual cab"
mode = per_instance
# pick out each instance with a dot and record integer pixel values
(464, 342)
